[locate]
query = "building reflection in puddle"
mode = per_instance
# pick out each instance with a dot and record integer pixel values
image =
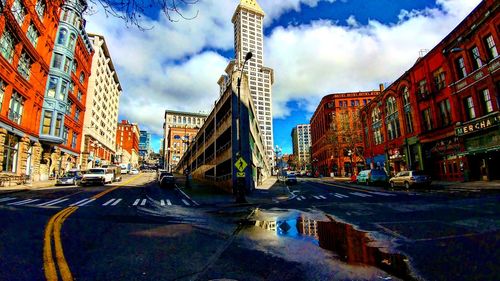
(349, 244)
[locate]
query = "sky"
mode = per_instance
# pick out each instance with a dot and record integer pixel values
(316, 48)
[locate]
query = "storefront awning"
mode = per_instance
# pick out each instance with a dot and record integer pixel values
(17, 132)
(480, 150)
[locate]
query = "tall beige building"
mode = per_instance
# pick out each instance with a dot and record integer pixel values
(301, 139)
(101, 116)
(249, 37)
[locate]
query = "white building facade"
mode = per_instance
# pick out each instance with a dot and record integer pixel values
(303, 143)
(101, 116)
(249, 37)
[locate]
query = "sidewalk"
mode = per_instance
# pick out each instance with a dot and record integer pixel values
(29, 186)
(270, 191)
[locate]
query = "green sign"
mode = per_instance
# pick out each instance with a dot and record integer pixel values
(240, 174)
(240, 164)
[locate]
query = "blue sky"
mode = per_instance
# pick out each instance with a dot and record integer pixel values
(316, 47)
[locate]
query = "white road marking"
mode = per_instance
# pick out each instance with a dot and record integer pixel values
(85, 203)
(360, 194)
(143, 202)
(381, 193)
(322, 197)
(7, 199)
(303, 198)
(341, 195)
(186, 202)
(74, 204)
(49, 202)
(298, 198)
(136, 202)
(162, 202)
(169, 203)
(316, 197)
(57, 202)
(116, 202)
(23, 202)
(338, 196)
(109, 202)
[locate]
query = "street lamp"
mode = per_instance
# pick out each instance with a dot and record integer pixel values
(241, 188)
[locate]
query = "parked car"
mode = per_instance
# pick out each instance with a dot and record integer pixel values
(410, 179)
(134, 171)
(72, 177)
(291, 179)
(117, 171)
(100, 176)
(166, 179)
(373, 176)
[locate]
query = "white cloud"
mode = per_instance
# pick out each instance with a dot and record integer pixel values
(311, 61)
(176, 65)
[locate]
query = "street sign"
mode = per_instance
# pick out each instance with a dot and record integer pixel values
(240, 164)
(240, 174)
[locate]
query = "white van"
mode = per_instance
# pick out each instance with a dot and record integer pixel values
(97, 176)
(125, 168)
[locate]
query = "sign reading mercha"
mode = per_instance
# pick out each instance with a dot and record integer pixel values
(478, 125)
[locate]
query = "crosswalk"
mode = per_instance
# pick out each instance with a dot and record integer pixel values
(335, 195)
(67, 202)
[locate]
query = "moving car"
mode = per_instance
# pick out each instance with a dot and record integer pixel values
(134, 171)
(373, 176)
(100, 176)
(291, 179)
(116, 170)
(410, 179)
(166, 179)
(72, 177)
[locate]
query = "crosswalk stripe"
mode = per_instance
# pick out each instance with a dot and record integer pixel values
(303, 198)
(143, 202)
(186, 202)
(7, 199)
(162, 202)
(136, 202)
(49, 202)
(322, 197)
(316, 197)
(381, 193)
(109, 202)
(169, 203)
(360, 194)
(85, 203)
(74, 204)
(338, 196)
(56, 202)
(23, 202)
(298, 198)
(341, 195)
(116, 202)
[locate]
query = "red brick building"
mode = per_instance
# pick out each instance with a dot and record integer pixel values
(337, 146)
(127, 143)
(27, 32)
(442, 115)
(177, 143)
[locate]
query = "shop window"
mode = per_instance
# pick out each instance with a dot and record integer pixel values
(11, 147)
(47, 122)
(486, 100)
(16, 107)
(469, 108)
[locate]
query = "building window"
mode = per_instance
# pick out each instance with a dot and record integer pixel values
(77, 114)
(476, 57)
(73, 140)
(7, 44)
(67, 65)
(65, 135)
(16, 107)
(392, 119)
(59, 122)
(72, 40)
(82, 77)
(69, 106)
(47, 122)
(439, 79)
(32, 35)
(64, 90)
(10, 149)
(422, 89)
(52, 87)
(61, 38)
(445, 112)
(376, 115)
(24, 66)
(2, 92)
(469, 108)
(18, 11)
(491, 47)
(74, 66)
(407, 109)
(486, 99)
(57, 62)
(79, 96)
(460, 65)
(427, 119)
(40, 8)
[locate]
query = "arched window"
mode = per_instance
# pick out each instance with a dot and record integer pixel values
(63, 34)
(377, 126)
(375, 114)
(392, 119)
(177, 137)
(407, 109)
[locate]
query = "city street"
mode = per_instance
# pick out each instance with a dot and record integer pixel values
(134, 230)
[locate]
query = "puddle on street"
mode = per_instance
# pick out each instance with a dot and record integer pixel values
(351, 246)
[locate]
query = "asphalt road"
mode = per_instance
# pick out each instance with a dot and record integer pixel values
(135, 230)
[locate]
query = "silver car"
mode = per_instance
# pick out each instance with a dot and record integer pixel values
(410, 179)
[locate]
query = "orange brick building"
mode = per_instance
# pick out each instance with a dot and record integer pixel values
(337, 144)
(177, 143)
(27, 32)
(127, 143)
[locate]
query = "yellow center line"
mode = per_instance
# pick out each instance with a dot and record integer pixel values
(53, 229)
